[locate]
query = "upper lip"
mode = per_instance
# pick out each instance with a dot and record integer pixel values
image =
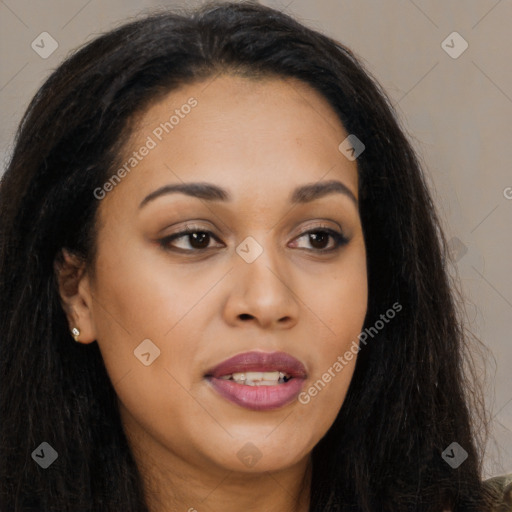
(255, 361)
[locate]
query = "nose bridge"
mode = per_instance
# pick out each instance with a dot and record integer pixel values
(262, 286)
(259, 259)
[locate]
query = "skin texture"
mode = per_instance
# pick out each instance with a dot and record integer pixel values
(259, 139)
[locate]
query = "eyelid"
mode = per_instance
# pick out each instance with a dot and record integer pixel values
(339, 237)
(182, 233)
(320, 226)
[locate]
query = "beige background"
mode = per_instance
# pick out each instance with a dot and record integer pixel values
(457, 111)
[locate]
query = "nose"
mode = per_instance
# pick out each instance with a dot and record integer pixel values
(262, 292)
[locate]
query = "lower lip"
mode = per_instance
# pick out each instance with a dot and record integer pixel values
(258, 398)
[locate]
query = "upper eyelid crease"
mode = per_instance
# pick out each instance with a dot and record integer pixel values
(319, 226)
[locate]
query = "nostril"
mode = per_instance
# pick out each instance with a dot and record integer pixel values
(245, 316)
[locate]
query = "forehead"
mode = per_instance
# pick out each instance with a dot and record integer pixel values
(259, 138)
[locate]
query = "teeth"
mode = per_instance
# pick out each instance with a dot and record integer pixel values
(258, 378)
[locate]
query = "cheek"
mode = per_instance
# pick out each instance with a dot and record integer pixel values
(144, 295)
(136, 301)
(341, 300)
(334, 363)
(340, 307)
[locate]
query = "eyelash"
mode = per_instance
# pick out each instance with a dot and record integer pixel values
(340, 240)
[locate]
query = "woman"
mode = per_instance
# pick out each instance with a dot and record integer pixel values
(222, 212)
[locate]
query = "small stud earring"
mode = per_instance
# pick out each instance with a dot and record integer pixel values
(75, 332)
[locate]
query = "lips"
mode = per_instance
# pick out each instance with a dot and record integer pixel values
(259, 397)
(259, 362)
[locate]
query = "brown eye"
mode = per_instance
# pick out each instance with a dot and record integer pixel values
(199, 240)
(319, 239)
(196, 239)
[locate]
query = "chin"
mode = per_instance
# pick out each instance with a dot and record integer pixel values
(257, 453)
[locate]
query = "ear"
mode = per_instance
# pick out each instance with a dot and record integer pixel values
(75, 293)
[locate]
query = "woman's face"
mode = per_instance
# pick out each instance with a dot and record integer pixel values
(250, 280)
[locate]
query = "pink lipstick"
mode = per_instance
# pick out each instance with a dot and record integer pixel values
(258, 381)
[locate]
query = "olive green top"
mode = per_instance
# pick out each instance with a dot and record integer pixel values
(499, 490)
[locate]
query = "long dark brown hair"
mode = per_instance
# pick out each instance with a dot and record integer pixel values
(410, 396)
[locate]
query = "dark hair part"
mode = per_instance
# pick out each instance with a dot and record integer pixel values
(410, 396)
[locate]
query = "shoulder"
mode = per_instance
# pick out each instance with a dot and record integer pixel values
(499, 492)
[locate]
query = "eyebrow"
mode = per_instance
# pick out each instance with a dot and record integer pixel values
(210, 192)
